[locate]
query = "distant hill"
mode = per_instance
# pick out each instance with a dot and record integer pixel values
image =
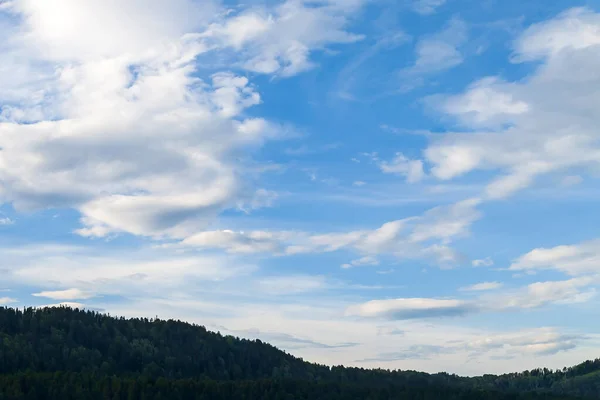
(51, 353)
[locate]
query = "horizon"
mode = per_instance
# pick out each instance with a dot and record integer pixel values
(216, 332)
(369, 183)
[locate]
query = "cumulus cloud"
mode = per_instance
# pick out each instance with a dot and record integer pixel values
(109, 155)
(64, 29)
(129, 131)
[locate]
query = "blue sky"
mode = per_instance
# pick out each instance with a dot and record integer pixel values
(399, 184)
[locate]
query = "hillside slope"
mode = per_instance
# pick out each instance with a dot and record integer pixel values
(131, 354)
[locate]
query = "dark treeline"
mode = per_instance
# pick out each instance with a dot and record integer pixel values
(45, 353)
(76, 386)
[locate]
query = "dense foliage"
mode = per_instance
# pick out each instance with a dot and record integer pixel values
(79, 386)
(61, 353)
(581, 380)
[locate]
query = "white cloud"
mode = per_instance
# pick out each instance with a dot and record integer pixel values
(410, 308)
(262, 198)
(539, 294)
(237, 242)
(543, 293)
(486, 103)
(421, 237)
(318, 321)
(495, 345)
(6, 301)
(64, 29)
(280, 40)
(485, 262)
(574, 29)
(411, 169)
(128, 273)
(478, 287)
(536, 126)
(6, 221)
(110, 157)
(541, 341)
(359, 262)
(309, 322)
(128, 131)
(579, 259)
(426, 7)
(68, 294)
(135, 137)
(447, 222)
(440, 51)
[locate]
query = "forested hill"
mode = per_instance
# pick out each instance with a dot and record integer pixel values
(64, 353)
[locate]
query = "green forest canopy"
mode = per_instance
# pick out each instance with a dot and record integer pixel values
(51, 353)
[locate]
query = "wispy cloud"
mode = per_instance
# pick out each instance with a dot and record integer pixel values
(291, 341)
(578, 259)
(359, 262)
(411, 169)
(478, 287)
(411, 308)
(512, 134)
(68, 294)
(426, 7)
(6, 221)
(484, 262)
(539, 294)
(7, 300)
(420, 237)
(440, 51)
